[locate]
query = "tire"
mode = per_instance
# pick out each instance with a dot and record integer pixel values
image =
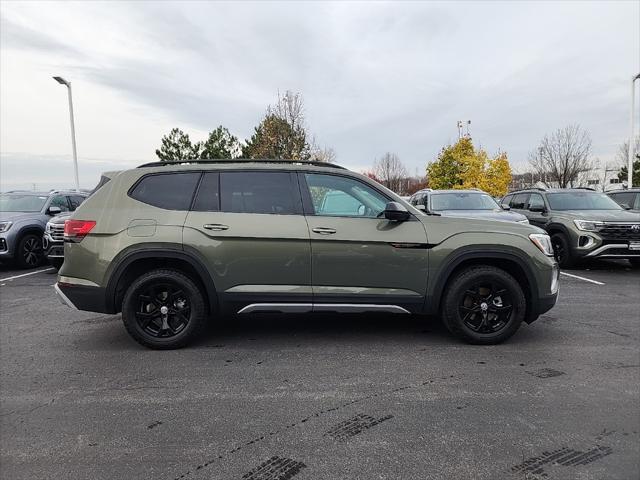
(483, 305)
(163, 310)
(635, 262)
(562, 250)
(29, 253)
(56, 262)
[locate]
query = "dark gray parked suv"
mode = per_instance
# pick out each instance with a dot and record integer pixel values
(582, 223)
(23, 216)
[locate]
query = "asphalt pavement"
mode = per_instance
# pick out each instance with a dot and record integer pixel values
(323, 397)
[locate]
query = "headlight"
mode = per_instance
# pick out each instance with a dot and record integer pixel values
(588, 225)
(4, 226)
(524, 220)
(543, 242)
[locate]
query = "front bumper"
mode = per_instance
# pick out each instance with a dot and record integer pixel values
(52, 248)
(616, 250)
(5, 248)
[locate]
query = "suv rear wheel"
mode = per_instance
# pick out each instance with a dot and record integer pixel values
(163, 309)
(483, 305)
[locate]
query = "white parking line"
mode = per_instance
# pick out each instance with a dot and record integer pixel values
(581, 278)
(25, 274)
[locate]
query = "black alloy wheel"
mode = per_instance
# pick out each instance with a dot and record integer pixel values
(30, 252)
(164, 309)
(486, 307)
(483, 304)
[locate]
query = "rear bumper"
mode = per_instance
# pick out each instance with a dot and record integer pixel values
(82, 297)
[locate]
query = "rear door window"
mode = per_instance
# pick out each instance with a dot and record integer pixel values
(259, 192)
(171, 191)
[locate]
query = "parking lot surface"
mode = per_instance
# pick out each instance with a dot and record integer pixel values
(323, 397)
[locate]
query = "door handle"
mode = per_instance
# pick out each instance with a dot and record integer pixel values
(216, 227)
(324, 230)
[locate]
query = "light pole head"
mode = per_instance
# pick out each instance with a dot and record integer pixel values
(61, 81)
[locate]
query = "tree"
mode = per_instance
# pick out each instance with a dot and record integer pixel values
(564, 155)
(623, 159)
(462, 166)
(390, 171)
(321, 154)
(220, 144)
(274, 138)
(177, 146)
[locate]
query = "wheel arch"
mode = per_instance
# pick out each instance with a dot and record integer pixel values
(506, 258)
(132, 264)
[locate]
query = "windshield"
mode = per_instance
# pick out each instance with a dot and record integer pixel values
(16, 202)
(462, 201)
(581, 201)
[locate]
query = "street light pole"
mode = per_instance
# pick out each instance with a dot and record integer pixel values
(62, 81)
(632, 142)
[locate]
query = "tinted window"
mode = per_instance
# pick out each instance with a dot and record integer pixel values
(637, 204)
(343, 197)
(208, 198)
(506, 200)
(171, 191)
(519, 200)
(535, 200)
(581, 201)
(258, 192)
(60, 201)
(75, 201)
(621, 198)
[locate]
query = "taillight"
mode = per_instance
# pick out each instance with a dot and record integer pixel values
(76, 230)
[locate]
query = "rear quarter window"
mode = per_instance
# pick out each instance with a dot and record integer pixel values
(171, 191)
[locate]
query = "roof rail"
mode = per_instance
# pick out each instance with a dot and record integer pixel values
(242, 160)
(540, 189)
(584, 188)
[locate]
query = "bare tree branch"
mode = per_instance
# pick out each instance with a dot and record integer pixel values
(391, 172)
(563, 156)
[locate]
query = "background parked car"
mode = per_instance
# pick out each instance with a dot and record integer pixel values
(53, 240)
(463, 203)
(23, 216)
(582, 223)
(629, 199)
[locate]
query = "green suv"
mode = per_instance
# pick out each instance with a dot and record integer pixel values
(583, 224)
(172, 244)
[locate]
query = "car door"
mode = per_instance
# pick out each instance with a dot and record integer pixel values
(537, 218)
(519, 202)
(249, 228)
(359, 260)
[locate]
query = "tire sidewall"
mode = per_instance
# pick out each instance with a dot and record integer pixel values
(470, 278)
(196, 301)
(568, 257)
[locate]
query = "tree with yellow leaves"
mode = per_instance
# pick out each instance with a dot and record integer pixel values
(461, 166)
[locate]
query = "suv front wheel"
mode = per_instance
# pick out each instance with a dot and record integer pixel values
(163, 309)
(483, 305)
(562, 250)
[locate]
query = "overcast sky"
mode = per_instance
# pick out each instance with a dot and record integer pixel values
(375, 77)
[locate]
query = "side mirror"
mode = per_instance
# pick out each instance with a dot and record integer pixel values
(626, 206)
(505, 206)
(54, 210)
(536, 208)
(396, 212)
(421, 207)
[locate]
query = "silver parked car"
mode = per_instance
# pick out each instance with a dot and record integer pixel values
(23, 217)
(463, 203)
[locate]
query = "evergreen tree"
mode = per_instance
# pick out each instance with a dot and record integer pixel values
(220, 144)
(177, 146)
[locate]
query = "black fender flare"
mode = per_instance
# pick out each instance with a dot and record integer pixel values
(558, 226)
(477, 252)
(119, 265)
